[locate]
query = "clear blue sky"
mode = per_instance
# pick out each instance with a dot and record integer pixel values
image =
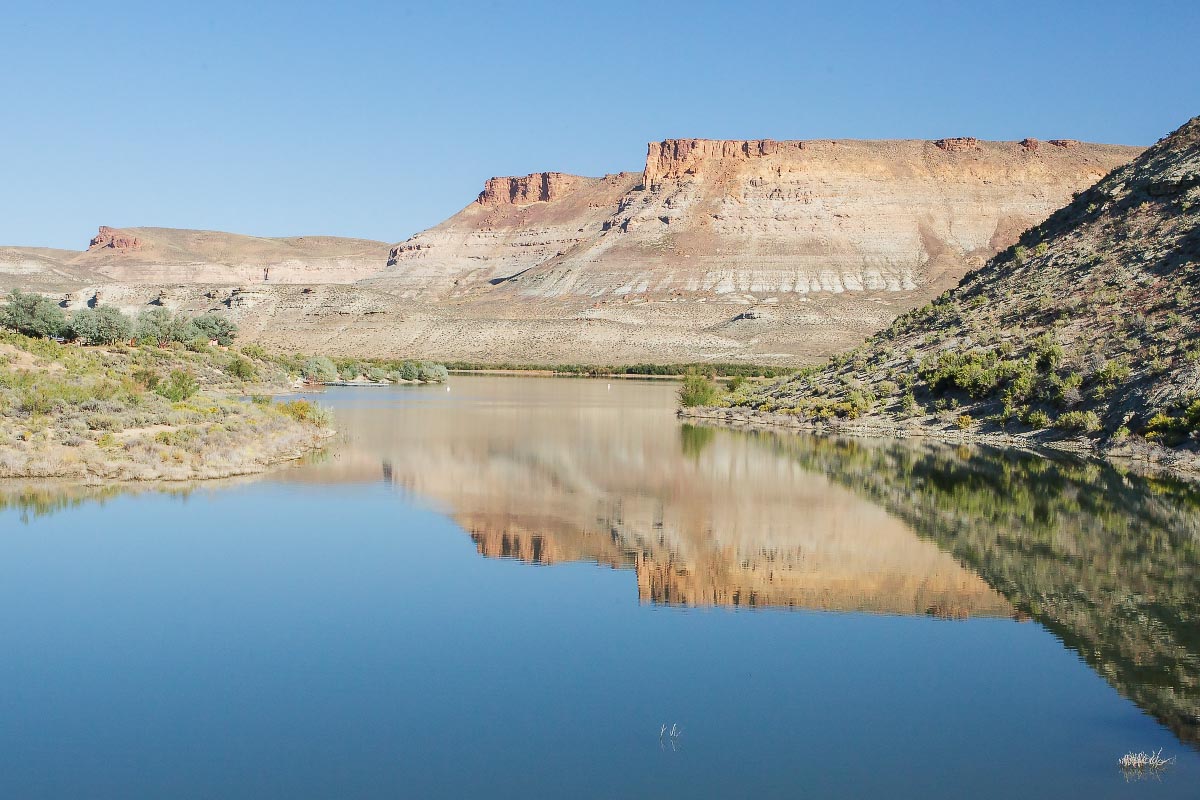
(379, 119)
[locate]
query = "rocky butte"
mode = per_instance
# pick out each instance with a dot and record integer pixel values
(763, 251)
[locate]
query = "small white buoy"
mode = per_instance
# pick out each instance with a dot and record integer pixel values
(447, 388)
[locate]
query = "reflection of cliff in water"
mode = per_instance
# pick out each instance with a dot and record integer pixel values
(1110, 563)
(702, 519)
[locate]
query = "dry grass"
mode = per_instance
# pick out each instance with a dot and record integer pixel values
(118, 413)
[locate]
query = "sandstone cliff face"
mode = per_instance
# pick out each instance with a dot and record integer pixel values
(824, 241)
(515, 224)
(538, 187)
(753, 220)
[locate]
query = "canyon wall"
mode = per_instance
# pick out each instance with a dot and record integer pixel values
(766, 251)
(755, 221)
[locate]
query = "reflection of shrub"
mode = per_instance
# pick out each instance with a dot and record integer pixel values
(697, 390)
(694, 438)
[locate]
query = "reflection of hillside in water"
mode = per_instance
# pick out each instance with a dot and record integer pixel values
(701, 519)
(1110, 563)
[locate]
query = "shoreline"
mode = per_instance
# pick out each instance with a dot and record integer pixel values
(115, 472)
(1141, 456)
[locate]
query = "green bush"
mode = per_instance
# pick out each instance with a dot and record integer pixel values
(1037, 419)
(1086, 421)
(105, 325)
(215, 327)
(697, 390)
(160, 326)
(432, 373)
(242, 369)
(180, 386)
(32, 314)
(305, 411)
(319, 369)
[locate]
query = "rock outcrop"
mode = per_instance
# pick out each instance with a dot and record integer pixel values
(114, 239)
(539, 187)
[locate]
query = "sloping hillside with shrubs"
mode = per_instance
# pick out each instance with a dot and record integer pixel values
(102, 396)
(1086, 333)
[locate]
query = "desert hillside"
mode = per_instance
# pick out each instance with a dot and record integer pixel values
(761, 251)
(169, 255)
(1088, 329)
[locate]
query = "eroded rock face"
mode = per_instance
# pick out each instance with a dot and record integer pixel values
(114, 240)
(747, 220)
(539, 187)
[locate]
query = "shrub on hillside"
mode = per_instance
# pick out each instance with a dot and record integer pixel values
(32, 314)
(179, 386)
(160, 326)
(242, 369)
(216, 327)
(319, 369)
(697, 390)
(432, 373)
(305, 411)
(104, 325)
(1086, 421)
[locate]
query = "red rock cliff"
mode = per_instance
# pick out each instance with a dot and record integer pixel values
(115, 239)
(538, 187)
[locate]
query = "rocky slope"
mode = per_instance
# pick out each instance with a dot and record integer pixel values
(168, 255)
(763, 251)
(1087, 330)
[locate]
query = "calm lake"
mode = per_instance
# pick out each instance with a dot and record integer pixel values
(508, 587)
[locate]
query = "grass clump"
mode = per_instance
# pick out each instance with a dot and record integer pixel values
(697, 390)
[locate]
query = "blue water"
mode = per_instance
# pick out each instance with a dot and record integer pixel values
(302, 638)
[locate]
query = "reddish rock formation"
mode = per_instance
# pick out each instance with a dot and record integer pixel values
(537, 187)
(672, 159)
(115, 239)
